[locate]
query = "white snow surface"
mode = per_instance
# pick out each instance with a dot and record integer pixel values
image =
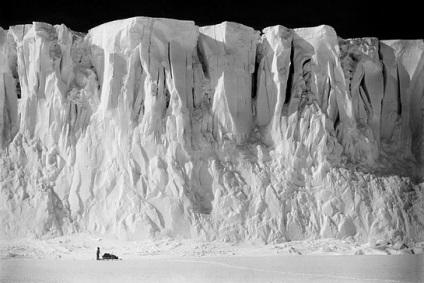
(73, 259)
(147, 128)
(221, 269)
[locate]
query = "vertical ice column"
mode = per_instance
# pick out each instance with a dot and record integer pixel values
(273, 71)
(36, 50)
(45, 74)
(364, 76)
(330, 89)
(302, 91)
(327, 83)
(111, 45)
(391, 105)
(146, 67)
(8, 95)
(371, 86)
(229, 51)
(410, 60)
(178, 40)
(28, 48)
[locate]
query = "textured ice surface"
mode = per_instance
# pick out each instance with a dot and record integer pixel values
(145, 128)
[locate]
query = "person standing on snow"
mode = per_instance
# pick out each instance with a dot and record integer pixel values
(98, 253)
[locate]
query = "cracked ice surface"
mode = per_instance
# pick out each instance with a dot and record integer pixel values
(145, 128)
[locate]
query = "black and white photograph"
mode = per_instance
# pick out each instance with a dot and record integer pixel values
(211, 141)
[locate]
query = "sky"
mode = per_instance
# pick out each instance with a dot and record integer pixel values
(360, 18)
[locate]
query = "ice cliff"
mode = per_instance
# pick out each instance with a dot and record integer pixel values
(146, 128)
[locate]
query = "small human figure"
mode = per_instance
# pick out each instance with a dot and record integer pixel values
(98, 253)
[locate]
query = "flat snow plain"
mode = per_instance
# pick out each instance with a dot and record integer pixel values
(72, 259)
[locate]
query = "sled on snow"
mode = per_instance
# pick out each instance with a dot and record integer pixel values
(108, 256)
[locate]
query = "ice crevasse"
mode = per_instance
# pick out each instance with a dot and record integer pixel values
(145, 128)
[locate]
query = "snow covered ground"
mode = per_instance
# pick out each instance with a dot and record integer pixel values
(72, 259)
(270, 268)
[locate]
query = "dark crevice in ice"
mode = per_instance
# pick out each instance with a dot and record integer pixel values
(399, 109)
(203, 61)
(337, 120)
(169, 59)
(290, 76)
(255, 79)
(364, 88)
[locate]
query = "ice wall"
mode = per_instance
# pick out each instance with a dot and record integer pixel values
(147, 128)
(228, 53)
(8, 92)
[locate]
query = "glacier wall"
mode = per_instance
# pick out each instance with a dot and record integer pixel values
(145, 128)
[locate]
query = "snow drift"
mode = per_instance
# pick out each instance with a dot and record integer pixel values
(147, 128)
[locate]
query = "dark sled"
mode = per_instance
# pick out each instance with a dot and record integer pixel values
(107, 256)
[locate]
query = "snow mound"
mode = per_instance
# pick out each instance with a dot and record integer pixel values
(147, 128)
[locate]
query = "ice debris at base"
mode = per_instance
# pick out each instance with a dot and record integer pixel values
(145, 128)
